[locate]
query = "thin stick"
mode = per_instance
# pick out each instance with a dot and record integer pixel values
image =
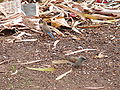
(55, 44)
(78, 51)
(26, 40)
(61, 76)
(4, 62)
(31, 62)
(94, 88)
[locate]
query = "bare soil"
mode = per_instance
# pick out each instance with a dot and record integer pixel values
(103, 72)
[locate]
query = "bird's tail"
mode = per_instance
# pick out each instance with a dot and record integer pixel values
(51, 35)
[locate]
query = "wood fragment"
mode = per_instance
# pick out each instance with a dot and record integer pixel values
(63, 75)
(94, 88)
(78, 51)
(3, 62)
(31, 62)
(55, 44)
(26, 40)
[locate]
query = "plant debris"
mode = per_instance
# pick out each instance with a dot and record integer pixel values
(101, 55)
(58, 14)
(41, 31)
(51, 69)
(63, 75)
(78, 51)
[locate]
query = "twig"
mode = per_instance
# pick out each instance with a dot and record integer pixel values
(91, 3)
(26, 40)
(78, 51)
(31, 62)
(4, 62)
(93, 88)
(15, 72)
(61, 76)
(55, 44)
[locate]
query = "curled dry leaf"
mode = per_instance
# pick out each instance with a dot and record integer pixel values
(59, 21)
(72, 10)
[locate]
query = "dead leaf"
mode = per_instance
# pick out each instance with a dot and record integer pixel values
(51, 69)
(59, 21)
(72, 10)
(97, 16)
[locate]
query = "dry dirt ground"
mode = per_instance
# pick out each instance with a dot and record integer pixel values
(103, 73)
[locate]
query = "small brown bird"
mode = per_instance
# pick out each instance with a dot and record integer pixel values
(76, 61)
(46, 29)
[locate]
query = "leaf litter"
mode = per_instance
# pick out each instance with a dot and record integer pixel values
(57, 14)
